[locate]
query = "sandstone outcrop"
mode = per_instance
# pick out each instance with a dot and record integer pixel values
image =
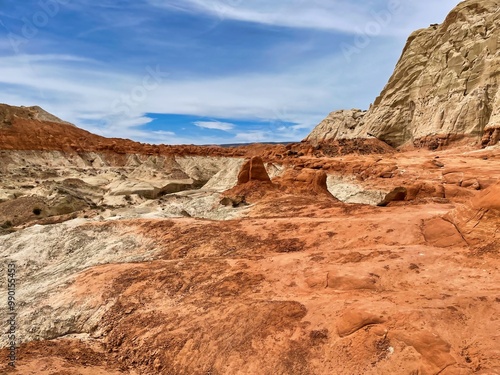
(254, 182)
(478, 221)
(354, 319)
(253, 170)
(337, 125)
(445, 87)
(305, 181)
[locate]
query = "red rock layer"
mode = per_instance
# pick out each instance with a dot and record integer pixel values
(253, 170)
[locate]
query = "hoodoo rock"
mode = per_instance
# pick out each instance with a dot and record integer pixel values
(445, 87)
(253, 170)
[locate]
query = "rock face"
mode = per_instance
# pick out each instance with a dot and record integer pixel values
(304, 181)
(253, 170)
(478, 220)
(338, 125)
(445, 86)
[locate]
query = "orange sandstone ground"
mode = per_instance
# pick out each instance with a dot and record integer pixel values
(300, 283)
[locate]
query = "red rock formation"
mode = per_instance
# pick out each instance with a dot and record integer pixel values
(304, 181)
(478, 220)
(21, 129)
(488, 200)
(253, 170)
(253, 185)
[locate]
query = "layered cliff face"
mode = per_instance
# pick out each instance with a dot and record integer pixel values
(445, 86)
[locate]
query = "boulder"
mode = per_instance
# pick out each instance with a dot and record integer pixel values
(349, 191)
(338, 125)
(305, 180)
(253, 170)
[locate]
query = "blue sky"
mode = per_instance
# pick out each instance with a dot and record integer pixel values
(203, 71)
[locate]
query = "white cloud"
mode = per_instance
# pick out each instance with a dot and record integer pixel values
(253, 136)
(95, 97)
(340, 15)
(87, 94)
(217, 125)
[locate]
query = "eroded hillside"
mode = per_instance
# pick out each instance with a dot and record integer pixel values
(350, 258)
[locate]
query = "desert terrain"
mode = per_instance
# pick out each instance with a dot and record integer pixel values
(381, 262)
(372, 247)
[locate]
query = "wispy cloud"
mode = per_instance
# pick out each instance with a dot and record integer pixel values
(280, 80)
(217, 125)
(254, 136)
(85, 95)
(341, 15)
